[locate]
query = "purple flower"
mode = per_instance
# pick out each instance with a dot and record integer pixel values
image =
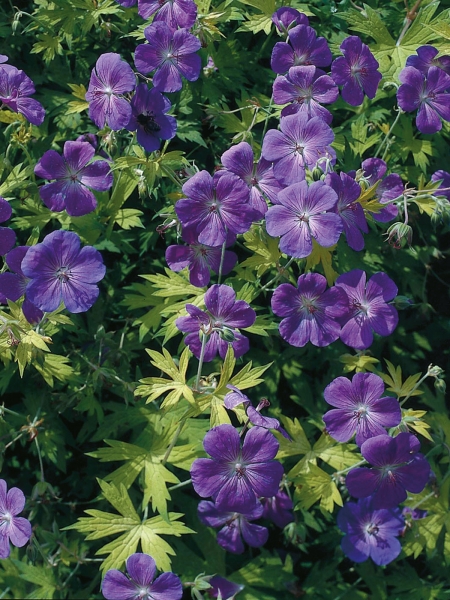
(348, 208)
(301, 214)
(215, 206)
(370, 532)
(139, 585)
(149, 119)
(171, 54)
(176, 13)
(235, 526)
(224, 315)
(356, 71)
(445, 185)
(15, 87)
(301, 143)
(304, 48)
(369, 310)
(110, 79)
(7, 235)
(426, 58)
(360, 408)
(310, 311)
(3, 58)
(92, 139)
(258, 177)
(14, 529)
(278, 509)
(398, 467)
(237, 476)
(427, 94)
(388, 189)
(236, 397)
(200, 259)
(127, 3)
(286, 17)
(306, 88)
(227, 589)
(414, 513)
(75, 174)
(13, 285)
(60, 271)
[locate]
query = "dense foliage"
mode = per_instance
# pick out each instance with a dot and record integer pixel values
(225, 299)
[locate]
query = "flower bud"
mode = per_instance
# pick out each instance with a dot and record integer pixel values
(317, 174)
(402, 302)
(398, 233)
(435, 371)
(440, 385)
(227, 334)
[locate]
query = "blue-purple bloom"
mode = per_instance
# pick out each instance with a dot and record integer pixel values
(370, 532)
(360, 407)
(13, 285)
(215, 206)
(149, 119)
(176, 13)
(227, 589)
(127, 3)
(285, 18)
(259, 177)
(356, 71)
(278, 509)
(237, 476)
(235, 526)
(110, 80)
(200, 259)
(171, 54)
(306, 88)
(302, 143)
(7, 235)
(388, 188)
(15, 89)
(140, 584)
(398, 467)
(444, 186)
(427, 58)
(311, 312)
(219, 324)
(348, 208)
(59, 270)
(304, 48)
(303, 213)
(75, 176)
(14, 529)
(427, 94)
(369, 310)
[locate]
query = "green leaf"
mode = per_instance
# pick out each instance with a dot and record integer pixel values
(323, 256)
(128, 218)
(314, 486)
(15, 179)
(266, 253)
(394, 381)
(43, 577)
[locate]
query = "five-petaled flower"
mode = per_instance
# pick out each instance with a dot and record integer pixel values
(15, 89)
(237, 476)
(176, 13)
(14, 529)
(304, 48)
(140, 584)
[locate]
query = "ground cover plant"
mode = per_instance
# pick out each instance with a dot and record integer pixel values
(224, 295)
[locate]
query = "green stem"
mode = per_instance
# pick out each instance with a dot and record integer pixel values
(222, 257)
(338, 473)
(279, 274)
(200, 361)
(174, 441)
(421, 380)
(389, 133)
(40, 459)
(179, 485)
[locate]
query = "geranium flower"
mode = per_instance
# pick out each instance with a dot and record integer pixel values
(356, 71)
(227, 589)
(148, 117)
(368, 306)
(301, 143)
(14, 529)
(259, 177)
(445, 185)
(306, 88)
(110, 79)
(370, 532)
(75, 174)
(302, 213)
(200, 259)
(278, 509)
(171, 54)
(176, 13)
(237, 476)
(224, 315)
(398, 467)
(215, 206)
(388, 189)
(7, 235)
(360, 408)
(427, 58)
(286, 17)
(304, 48)
(310, 311)
(348, 208)
(127, 3)
(15, 87)
(235, 526)
(60, 271)
(139, 585)
(13, 285)
(426, 94)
